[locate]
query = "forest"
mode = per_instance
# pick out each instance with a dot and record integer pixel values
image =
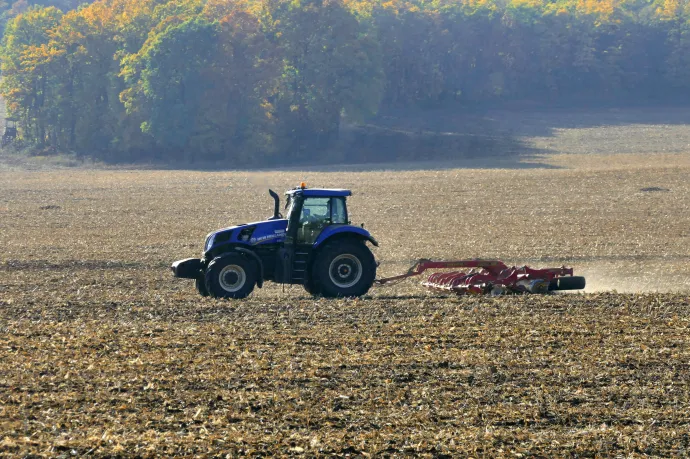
(256, 82)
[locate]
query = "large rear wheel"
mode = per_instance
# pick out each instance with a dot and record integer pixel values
(230, 276)
(344, 269)
(311, 287)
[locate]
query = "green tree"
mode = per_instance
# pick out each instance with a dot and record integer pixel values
(332, 63)
(167, 79)
(237, 116)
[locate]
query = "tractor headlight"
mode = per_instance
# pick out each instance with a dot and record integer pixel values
(209, 241)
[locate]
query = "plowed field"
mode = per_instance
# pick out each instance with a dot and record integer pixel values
(103, 353)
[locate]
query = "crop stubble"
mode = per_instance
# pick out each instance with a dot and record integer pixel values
(103, 352)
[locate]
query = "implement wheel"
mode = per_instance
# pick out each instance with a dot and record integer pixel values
(344, 269)
(230, 276)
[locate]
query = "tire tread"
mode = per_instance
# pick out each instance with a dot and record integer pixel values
(322, 262)
(212, 286)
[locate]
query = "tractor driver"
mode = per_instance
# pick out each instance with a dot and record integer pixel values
(316, 212)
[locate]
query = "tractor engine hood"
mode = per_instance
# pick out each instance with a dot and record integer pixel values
(250, 234)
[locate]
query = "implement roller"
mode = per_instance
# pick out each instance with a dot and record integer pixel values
(490, 277)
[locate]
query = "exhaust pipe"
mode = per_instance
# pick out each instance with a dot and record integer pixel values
(276, 209)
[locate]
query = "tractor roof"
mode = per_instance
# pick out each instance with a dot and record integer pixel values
(319, 192)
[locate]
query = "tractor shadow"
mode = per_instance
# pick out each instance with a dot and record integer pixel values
(430, 296)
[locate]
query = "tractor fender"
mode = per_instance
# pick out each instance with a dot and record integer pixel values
(344, 231)
(251, 254)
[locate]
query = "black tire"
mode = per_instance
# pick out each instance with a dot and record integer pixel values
(568, 283)
(312, 288)
(344, 269)
(230, 276)
(201, 284)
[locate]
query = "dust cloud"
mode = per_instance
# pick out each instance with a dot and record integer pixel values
(649, 279)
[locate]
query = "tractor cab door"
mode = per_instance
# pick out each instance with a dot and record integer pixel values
(318, 213)
(307, 218)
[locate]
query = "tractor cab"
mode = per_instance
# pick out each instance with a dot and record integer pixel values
(310, 212)
(313, 245)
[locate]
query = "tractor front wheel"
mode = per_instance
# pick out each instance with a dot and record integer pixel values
(230, 276)
(201, 284)
(344, 269)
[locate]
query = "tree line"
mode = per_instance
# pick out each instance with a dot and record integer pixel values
(270, 81)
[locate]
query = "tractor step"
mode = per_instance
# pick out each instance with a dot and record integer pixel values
(299, 267)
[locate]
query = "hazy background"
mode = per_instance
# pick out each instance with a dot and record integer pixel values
(265, 83)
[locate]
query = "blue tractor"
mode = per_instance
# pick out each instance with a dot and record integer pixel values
(314, 245)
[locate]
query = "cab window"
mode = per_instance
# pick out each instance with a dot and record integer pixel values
(317, 213)
(338, 211)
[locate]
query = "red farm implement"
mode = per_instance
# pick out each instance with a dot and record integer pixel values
(491, 277)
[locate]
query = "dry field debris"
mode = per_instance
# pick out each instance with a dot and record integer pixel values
(102, 353)
(587, 375)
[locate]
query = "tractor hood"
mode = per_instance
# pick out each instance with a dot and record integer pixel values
(256, 233)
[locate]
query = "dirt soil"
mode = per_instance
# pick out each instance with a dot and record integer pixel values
(103, 353)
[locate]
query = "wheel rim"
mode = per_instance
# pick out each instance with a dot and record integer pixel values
(232, 278)
(345, 270)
